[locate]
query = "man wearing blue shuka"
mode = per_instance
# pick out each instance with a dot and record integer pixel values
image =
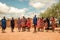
(3, 21)
(35, 22)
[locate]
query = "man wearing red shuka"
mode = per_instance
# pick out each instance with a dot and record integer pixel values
(39, 23)
(19, 24)
(34, 23)
(28, 24)
(23, 23)
(53, 23)
(45, 25)
(42, 24)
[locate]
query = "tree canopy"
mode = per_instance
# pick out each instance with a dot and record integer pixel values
(54, 11)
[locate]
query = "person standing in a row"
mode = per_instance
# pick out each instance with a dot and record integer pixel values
(35, 23)
(23, 24)
(3, 21)
(39, 24)
(28, 24)
(53, 23)
(48, 24)
(12, 24)
(42, 24)
(19, 24)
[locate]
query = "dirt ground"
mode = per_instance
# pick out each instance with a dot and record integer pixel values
(28, 35)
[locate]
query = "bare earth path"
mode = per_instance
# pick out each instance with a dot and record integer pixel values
(29, 35)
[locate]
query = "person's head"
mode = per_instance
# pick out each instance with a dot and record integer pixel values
(47, 18)
(28, 18)
(12, 18)
(45, 21)
(18, 18)
(35, 15)
(4, 17)
(53, 17)
(23, 17)
(42, 18)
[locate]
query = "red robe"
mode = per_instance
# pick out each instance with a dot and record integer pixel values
(42, 23)
(38, 23)
(46, 25)
(19, 23)
(22, 22)
(28, 24)
(53, 23)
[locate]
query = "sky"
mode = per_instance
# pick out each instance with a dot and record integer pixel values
(27, 8)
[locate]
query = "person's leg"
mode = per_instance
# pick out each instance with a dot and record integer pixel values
(38, 29)
(59, 30)
(46, 29)
(23, 29)
(53, 25)
(52, 29)
(42, 29)
(34, 28)
(19, 29)
(3, 29)
(28, 29)
(12, 28)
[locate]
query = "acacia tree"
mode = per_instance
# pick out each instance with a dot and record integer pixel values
(54, 11)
